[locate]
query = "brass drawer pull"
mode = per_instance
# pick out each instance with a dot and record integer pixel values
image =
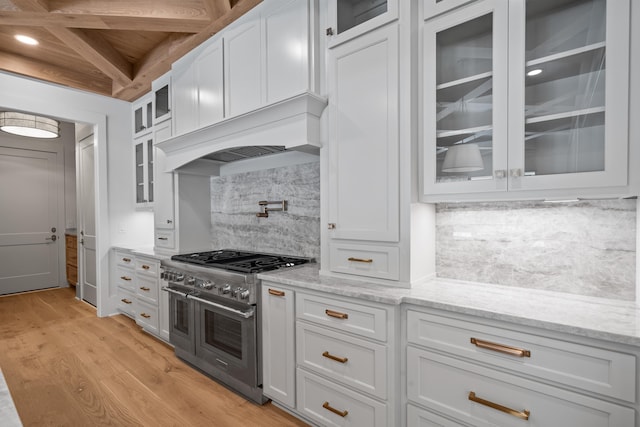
(145, 315)
(145, 267)
(126, 259)
(336, 358)
(524, 414)
(125, 278)
(276, 292)
(500, 348)
(144, 288)
(343, 414)
(336, 314)
(163, 238)
(126, 301)
(364, 260)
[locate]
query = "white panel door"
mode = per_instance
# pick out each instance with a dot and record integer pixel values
(363, 130)
(87, 276)
(28, 211)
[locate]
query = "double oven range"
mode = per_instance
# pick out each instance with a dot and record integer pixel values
(214, 313)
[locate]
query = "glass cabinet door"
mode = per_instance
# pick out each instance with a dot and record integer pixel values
(465, 100)
(351, 18)
(140, 176)
(569, 71)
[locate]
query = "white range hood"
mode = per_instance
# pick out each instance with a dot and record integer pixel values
(293, 123)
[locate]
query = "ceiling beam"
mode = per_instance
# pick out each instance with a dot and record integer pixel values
(32, 5)
(133, 23)
(216, 8)
(97, 51)
(62, 76)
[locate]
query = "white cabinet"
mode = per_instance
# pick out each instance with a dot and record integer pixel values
(363, 107)
(125, 282)
(142, 111)
(519, 103)
(144, 178)
(351, 18)
(278, 344)
(487, 374)
(164, 211)
(161, 92)
(184, 118)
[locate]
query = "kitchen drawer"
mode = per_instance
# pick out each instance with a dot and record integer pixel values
(448, 385)
(317, 397)
(594, 369)
(382, 262)
(147, 317)
(127, 301)
(147, 266)
(355, 362)
(147, 289)
(125, 259)
(363, 320)
(165, 239)
(418, 417)
(126, 277)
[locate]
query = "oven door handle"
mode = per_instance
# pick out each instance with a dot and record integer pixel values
(173, 291)
(243, 314)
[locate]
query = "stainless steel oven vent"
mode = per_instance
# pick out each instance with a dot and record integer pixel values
(240, 153)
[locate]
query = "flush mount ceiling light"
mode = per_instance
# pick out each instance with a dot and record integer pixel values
(26, 39)
(28, 125)
(463, 158)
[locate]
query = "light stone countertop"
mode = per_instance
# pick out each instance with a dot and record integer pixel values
(605, 319)
(8, 414)
(144, 251)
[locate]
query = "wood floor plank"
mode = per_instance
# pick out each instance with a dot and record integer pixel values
(66, 367)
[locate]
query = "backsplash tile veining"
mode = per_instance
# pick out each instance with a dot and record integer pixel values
(234, 204)
(585, 248)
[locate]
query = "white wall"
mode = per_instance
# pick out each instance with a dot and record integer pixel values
(117, 221)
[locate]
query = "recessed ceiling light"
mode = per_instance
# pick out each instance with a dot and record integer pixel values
(26, 39)
(534, 72)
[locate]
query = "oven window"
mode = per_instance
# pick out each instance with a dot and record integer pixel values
(223, 333)
(181, 322)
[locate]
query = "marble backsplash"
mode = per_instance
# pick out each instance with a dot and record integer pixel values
(584, 248)
(234, 204)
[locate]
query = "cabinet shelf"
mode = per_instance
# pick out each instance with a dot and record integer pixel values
(564, 121)
(464, 80)
(595, 47)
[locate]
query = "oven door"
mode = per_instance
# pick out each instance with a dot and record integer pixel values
(182, 329)
(226, 339)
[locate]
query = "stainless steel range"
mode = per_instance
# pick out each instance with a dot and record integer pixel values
(214, 313)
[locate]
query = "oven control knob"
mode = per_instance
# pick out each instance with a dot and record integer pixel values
(244, 294)
(206, 285)
(191, 280)
(179, 277)
(226, 288)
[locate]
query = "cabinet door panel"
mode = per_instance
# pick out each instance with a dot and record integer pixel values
(364, 109)
(184, 99)
(243, 67)
(210, 82)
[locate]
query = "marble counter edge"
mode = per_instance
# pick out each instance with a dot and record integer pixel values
(607, 320)
(148, 252)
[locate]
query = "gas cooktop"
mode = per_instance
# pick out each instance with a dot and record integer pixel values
(240, 261)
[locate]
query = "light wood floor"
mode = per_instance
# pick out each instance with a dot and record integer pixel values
(66, 367)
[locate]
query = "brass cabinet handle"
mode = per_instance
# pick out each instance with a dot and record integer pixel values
(144, 288)
(126, 259)
(145, 267)
(125, 278)
(163, 238)
(145, 315)
(336, 358)
(343, 414)
(126, 301)
(336, 314)
(524, 414)
(365, 260)
(501, 348)
(276, 292)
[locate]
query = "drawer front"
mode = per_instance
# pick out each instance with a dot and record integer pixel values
(147, 289)
(367, 321)
(597, 370)
(472, 393)
(418, 417)
(382, 262)
(165, 239)
(147, 317)
(355, 362)
(147, 266)
(125, 259)
(127, 301)
(72, 274)
(126, 278)
(329, 404)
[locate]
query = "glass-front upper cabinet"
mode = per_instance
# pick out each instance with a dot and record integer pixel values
(465, 115)
(142, 116)
(351, 18)
(143, 154)
(528, 97)
(161, 92)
